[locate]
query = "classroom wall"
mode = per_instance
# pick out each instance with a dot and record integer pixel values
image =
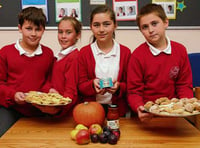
(130, 38)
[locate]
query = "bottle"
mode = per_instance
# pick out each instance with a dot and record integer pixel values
(113, 117)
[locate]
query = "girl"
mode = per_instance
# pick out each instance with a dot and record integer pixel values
(102, 59)
(64, 76)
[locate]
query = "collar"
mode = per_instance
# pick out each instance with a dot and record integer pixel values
(65, 52)
(156, 51)
(38, 50)
(113, 51)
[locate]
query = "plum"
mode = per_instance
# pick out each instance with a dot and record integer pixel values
(94, 138)
(112, 139)
(103, 138)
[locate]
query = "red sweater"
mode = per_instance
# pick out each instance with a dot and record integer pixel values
(22, 73)
(65, 78)
(165, 75)
(86, 63)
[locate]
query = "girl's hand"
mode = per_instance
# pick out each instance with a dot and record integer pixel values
(115, 87)
(19, 98)
(143, 115)
(97, 87)
(48, 109)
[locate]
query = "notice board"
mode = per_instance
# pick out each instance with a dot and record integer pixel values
(188, 18)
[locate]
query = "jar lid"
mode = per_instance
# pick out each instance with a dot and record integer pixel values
(113, 105)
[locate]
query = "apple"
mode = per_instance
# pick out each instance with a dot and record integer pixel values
(80, 126)
(95, 129)
(83, 136)
(73, 134)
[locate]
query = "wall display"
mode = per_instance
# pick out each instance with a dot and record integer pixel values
(97, 2)
(169, 6)
(125, 9)
(36, 3)
(68, 8)
(185, 10)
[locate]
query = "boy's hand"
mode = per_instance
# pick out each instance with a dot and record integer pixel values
(52, 90)
(19, 98)
(143, 115)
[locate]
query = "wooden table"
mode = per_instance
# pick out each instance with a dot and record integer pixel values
(52, 133)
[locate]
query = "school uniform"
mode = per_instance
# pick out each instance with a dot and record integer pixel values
(153, 74)
(93, 63)
(65, 76)
(22, 72)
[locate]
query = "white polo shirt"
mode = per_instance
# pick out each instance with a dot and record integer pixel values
(107, 65)
(65, 52)
(38, 51)
(156, 51)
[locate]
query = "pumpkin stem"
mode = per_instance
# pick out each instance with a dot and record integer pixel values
(85, 103)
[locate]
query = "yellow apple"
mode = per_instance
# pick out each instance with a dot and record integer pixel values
(74, 133)
(95, 129)
(80, 126)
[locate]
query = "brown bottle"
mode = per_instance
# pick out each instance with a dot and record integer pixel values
(113, 117)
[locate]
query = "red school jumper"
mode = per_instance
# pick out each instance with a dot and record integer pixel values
(65, 78)
(22, 73)
(165, 75)
(86, 64)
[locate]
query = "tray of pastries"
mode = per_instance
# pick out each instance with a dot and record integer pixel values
(173, 108)
(48, 99)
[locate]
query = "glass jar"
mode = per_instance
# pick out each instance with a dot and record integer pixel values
(113, 117)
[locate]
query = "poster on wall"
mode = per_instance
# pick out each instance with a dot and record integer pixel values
(97, 2)
(68, 8)
(36, 3)
(125, 9)
(169, 6)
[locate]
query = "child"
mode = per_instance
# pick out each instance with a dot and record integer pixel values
(62, 13)
(102, 59)
(159, 67)
(24, 66)
(65, 70)
(73, 13)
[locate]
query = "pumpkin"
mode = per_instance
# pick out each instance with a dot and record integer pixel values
(89, 113)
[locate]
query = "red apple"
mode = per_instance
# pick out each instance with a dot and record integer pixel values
(95, 129)
(83, 136)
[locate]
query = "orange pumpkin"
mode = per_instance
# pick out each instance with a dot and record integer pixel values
(89, 113)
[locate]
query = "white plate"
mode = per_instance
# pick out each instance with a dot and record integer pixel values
(172, 115)
(47, 104)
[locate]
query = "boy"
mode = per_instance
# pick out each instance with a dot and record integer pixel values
(159, 67)
(24, 66)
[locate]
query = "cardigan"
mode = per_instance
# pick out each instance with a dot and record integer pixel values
(86, 63)
(65, 78)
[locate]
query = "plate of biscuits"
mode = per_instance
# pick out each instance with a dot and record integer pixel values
(173, 107)
(47, 99)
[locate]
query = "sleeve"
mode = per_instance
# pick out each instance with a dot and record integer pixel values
(135, 84)
(71, 80)
(124, 67)
(85, 84)
(184, 86)
(6, 92)
(47, 84)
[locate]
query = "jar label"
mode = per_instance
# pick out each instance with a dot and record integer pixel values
(113, 124)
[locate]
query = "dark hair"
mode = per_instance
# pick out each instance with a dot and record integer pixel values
(75, 23)
(32, 14)
(151, 8)
(103, 9)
